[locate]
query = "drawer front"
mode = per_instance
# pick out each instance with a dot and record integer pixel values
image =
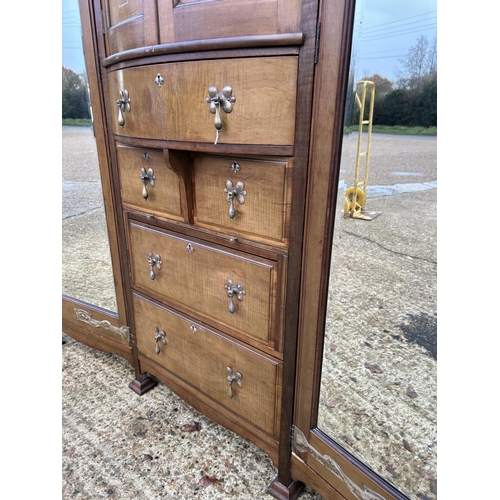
(243, 197)
(201, 357)
(195, 276)
(146, 182)
(176, 109)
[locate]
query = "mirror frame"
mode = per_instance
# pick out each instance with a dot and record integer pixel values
(86, 333)
(331, 79)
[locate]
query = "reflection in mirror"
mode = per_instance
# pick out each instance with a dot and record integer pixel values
(87, 273)
(378, 395)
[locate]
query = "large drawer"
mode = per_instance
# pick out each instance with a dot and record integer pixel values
(201, 358)
(168, 101)
(243, 197)
(146, 182)
(199, 280)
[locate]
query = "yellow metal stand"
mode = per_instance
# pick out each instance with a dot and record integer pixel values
(355, 198)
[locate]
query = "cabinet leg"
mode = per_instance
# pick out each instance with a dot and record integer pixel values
(282, 492)
(142, 385)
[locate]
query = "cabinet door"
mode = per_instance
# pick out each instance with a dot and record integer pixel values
(129, 24)
(93, 304)
(183, 20)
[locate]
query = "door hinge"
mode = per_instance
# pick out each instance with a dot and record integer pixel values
(316, 48)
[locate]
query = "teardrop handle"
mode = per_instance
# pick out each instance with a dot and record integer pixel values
(123, 104)
(233, 193)
(232, 291)
(233, 377)
(154, 261)
(147, 177)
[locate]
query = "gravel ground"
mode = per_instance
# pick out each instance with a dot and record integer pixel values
(378, 397)
(379, 380)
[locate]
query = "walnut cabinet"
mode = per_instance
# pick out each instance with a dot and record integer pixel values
(218, 126)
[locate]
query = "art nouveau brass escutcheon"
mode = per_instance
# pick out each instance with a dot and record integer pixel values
(301, 444)
(86, 317)
(234, 193)
(233, 290)
(233, 377)
(147, 177)
(215, 100)
(235, 167)
(159, 337)
(159, 80)
(123, 106)
(154, 261)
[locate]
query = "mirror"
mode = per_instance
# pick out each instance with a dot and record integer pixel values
(87, 273)
(378, 396)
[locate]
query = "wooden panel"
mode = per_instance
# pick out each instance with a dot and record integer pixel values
(126, 36)
(201, 358)
(263, 214)
(190, 20)
(264, 111)
(164, 199)
(122, 10)
(129, 24)
(196, 280)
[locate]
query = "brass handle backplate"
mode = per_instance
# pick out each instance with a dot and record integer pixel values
(123, 105)
(234, 290)
(147, 177)
(233, 377)
(159, 337)
(215, 100)
(234, 193)
(154, 261)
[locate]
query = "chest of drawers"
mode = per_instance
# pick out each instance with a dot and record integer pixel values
(207, 224)
(207, 112)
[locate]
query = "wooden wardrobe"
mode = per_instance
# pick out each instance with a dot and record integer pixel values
(218, 125)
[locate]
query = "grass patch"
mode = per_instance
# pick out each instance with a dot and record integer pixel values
(77, 122)
(395, 130)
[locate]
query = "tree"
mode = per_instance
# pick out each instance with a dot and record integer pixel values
(74, 95)
(419, 66)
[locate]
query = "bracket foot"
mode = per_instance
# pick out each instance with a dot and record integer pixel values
(282, 492)
(142, 386)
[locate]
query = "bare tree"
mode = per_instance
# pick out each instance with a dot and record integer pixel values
(419, 65)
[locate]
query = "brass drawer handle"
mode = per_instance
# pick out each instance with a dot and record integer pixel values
(147, 177)
(233, 290)
(123, 105)
(215, 100)
(154, 261)
(234, 193)
(233, 377)
(159, 337)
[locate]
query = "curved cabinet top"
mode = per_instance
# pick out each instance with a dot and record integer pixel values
(134, 24)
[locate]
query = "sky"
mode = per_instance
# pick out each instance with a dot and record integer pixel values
(71, 35)
(384, 30)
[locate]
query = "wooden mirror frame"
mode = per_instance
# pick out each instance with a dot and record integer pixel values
(90, 333)
(331, 79)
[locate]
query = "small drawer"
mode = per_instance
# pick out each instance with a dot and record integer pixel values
(231, 290)
(168, 101)
(243, 197)
(205, 359)
(146, 182)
